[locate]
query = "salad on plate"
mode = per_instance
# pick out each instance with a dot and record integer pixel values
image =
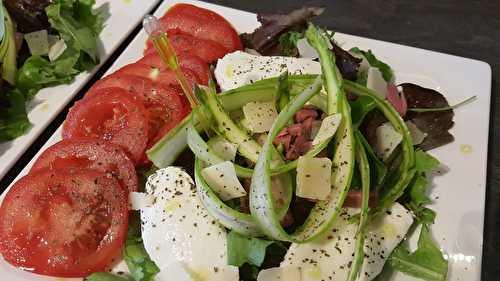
(43, 43)
(300, 161)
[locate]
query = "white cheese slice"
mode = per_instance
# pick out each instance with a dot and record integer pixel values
(306, 50)
(260, 116)
(223, 180)
(375, 81)
(286, 273)
(38, 42)
(57, 50)
(329, 126)
(313, 178)
(417, 136)
(177, 228)
(386, 140)
(140, 200)
(240, 68)
(224, 149)
(329, 257)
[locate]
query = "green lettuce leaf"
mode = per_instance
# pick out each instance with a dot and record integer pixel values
(38, 72)
(426, 263)
(242, 249)
(77, 24)
(417, 197)
(104, 276)
(359, 108)
(14, 121)
(140, 265)
(384, 68)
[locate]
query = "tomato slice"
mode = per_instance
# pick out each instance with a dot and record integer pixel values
(164, 103)
(77, 154)
(209, 51)
(64, 223)
(111, 116)
(202, 23)
(155, 74)
(186, 60)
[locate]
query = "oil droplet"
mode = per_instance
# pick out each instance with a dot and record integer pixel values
(45, 107)
(171, 206)
(127, 1)
(389, 231)
(313, 272)
(229, 71)
(466, 149)
(61, 279)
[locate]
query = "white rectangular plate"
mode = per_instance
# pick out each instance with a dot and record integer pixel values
(458, 190)
(124, 17)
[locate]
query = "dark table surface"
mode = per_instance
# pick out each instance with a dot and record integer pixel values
(468, 28)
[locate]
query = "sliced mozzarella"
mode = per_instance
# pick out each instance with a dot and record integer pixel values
(330, 257)
(139, 200)
(314, 178)
(260, 116)
(286, 273)
(364, 65)
(417, 136)
(386, 140)
(177, 228)
(225, 149)
(375, 81)
(240, 68)
(223, 180)
(177, 269)
(328, 127)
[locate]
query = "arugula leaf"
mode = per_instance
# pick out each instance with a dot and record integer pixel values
(417, 194)
(13, 118)
(104, 276)
(384, 68)
(141, 267)
(38, 72)
(425, 162)
(359, 108)
(76, 24)
(426, 263)
(288, 42)
(242, 249)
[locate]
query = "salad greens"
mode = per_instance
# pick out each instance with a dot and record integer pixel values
(141, 267)
(79, 25)
(288, 43)
(242, 249)
(104, 276)
(384, 68)
(426, 263)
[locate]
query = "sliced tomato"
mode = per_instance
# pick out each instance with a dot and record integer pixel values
(155, 74)
(64, 223)
(112, 116)
(133, 84)
(186, 60)
(209, 51)
(202, 23)
(76, 154)
(164, 103)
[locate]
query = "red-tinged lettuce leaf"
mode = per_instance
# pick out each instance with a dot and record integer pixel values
(347, 64)
(266, 38)
(435, 124)
(28, 14)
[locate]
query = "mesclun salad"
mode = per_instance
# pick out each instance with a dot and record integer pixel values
(43, 43)
(312, 165)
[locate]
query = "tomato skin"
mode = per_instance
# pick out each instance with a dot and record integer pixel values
(186, 60)
(64, 223)
(202, 23)
(156, 75)
(111, 116)
(209, 51)
(76, 154)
